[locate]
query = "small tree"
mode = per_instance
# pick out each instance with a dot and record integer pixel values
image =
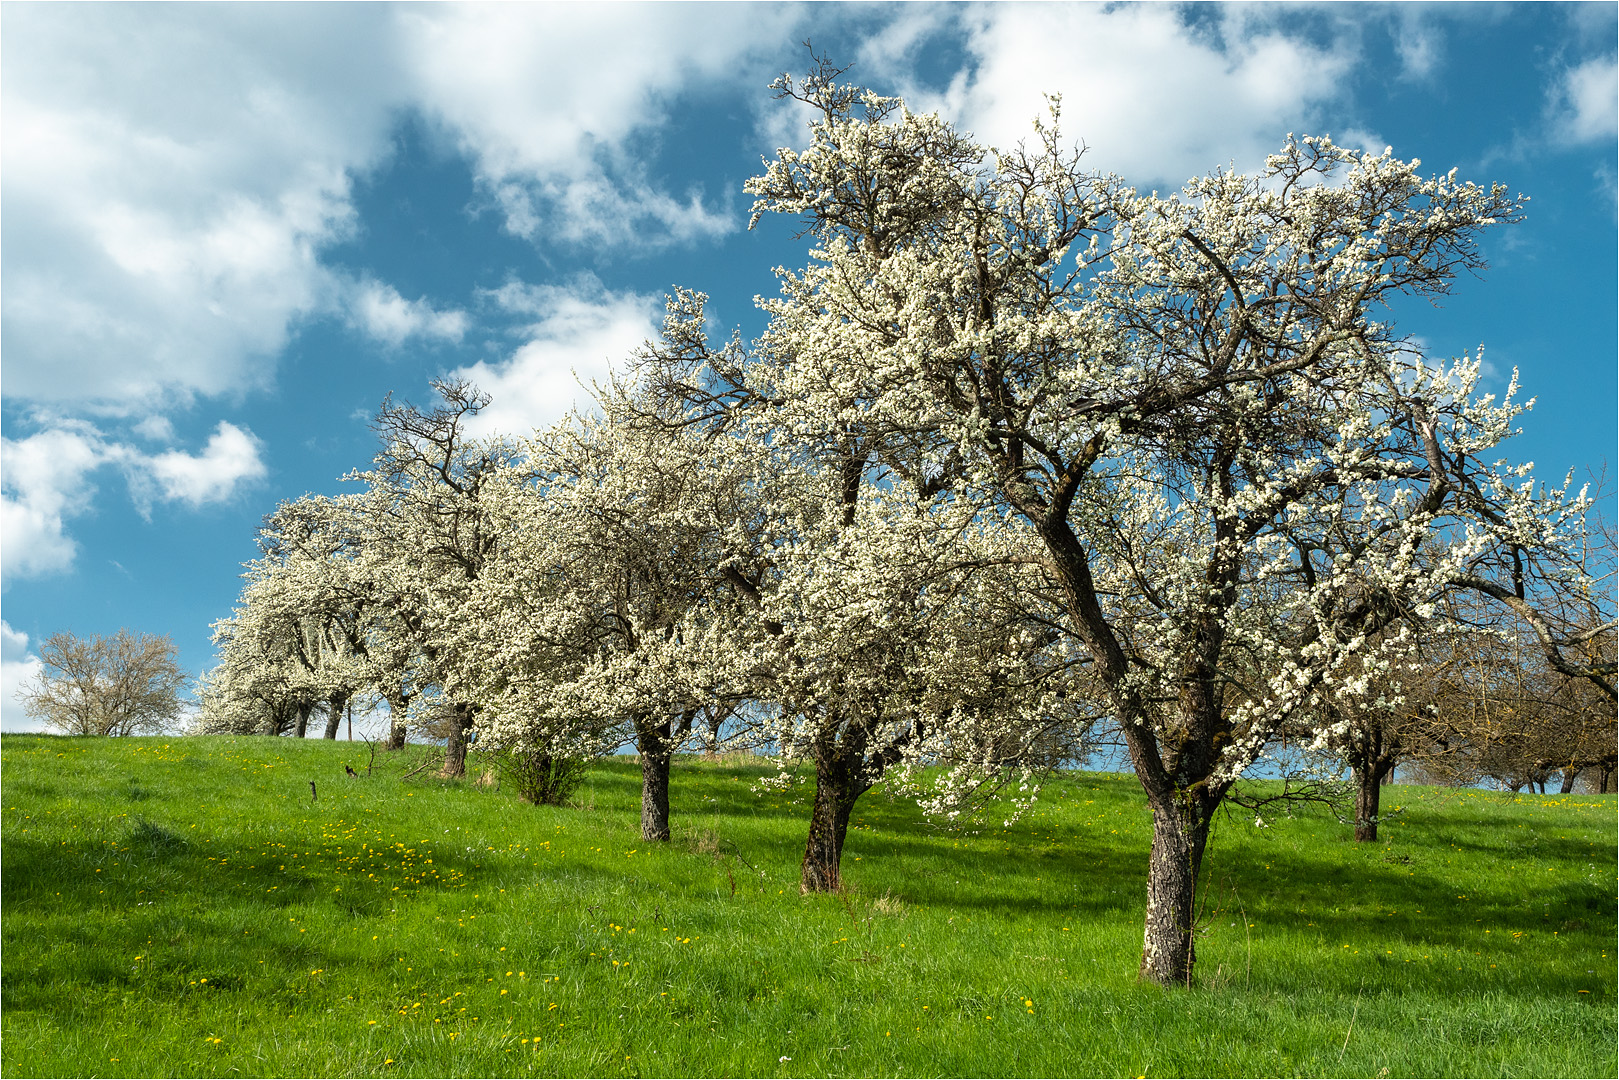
(297, 642)
(125, 684)
(541, 777)
(1374, 732)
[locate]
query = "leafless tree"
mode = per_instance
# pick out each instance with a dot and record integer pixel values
(125, 684)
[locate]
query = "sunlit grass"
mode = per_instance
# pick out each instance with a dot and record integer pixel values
(184, 907)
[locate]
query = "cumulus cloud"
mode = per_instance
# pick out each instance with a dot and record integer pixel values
(578, 333)
(1584, 103)
(551, 104)
(174, 175)
(1153, 97)
(230, 458)
(377, 309)
(171, 177)
(17, 666)
(45, 480)
(156, 427)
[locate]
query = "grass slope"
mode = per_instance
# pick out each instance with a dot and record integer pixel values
(182, 907)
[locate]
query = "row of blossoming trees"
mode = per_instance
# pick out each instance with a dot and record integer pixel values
(1020, 447)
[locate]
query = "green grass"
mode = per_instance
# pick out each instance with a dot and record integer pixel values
(180, 907)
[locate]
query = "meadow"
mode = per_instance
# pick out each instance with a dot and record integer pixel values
(184, 907)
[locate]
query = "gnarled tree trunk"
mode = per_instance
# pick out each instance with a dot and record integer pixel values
(1369, 778)
(842, 775)
(653, 743)
(1180, 833)
(455, 748)
(334, 714)
(398, 725)
(836, 789)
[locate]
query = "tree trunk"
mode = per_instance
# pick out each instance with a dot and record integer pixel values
(1180, 832)
(455, 748)
(653, 744)
(1368, 798)
(334, 714)
(1569, 775)
(398, 706)
(836, 789)
(302, 727)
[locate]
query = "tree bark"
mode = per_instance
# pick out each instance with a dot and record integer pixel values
(1569, 775)
(334, 714)
(301, 728)
(834, 799)
(653, 743)
(1372, 755)
(398, 725)
(455, 748)
(1369, 779)
(1180, 833)
(837, 786)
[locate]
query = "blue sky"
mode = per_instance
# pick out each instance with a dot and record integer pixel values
(226, 232)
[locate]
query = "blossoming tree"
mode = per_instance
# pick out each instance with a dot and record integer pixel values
(595, 620)
(299, 637)
(1245, 481)
(425, 535)
(878, 641)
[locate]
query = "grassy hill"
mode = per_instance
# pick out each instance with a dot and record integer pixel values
(180, 907)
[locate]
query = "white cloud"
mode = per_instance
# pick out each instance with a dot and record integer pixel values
(899, 40)
(549, 102)
(1357, 138)
(230, 458)
(156, 427)
(1593, 23)
(174, 175)
(1419, 45)
(171, 175)
(45, 479)
(17, 665)
(378, 310)
(579, 335)
(1584, 104)
(1152, 97)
